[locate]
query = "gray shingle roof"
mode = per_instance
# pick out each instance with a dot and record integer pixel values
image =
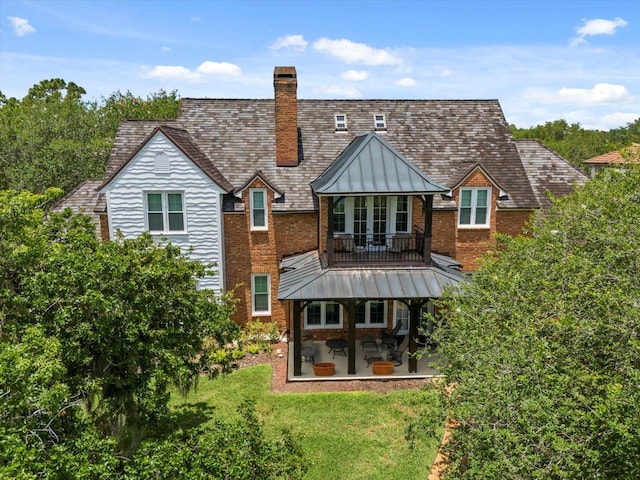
(547, 171)
(185, 143)
(443, 138)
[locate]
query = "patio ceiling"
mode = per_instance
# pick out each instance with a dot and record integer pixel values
(303, 278)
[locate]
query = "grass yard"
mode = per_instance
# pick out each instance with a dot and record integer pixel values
(345, 435)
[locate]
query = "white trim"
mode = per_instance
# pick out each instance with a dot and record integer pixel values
(392, 202)
(323, 316)
(383, 122)
(252, 209)
(367, 315)
(401, 306)
(474, 206)
(341, 124)
(254, 312)
(164, 197)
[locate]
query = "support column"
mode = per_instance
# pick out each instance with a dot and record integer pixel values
(297, 340)
(414, 316)
(330, 242)
(351, 350)
(428, 226)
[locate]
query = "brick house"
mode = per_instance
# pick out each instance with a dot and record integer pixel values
(336, 216)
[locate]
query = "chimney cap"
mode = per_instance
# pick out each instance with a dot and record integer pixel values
(284, 72)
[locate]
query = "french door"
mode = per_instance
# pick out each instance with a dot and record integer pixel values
(370, 220)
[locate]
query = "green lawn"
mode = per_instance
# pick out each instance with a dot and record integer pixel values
(346, 435)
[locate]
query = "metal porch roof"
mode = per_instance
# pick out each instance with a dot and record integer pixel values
(371, 165)
(305, 279)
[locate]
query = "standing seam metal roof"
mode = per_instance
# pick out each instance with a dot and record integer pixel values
(305, 279)
(370, 165)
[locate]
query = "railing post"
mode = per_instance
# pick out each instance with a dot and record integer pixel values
(331, 250)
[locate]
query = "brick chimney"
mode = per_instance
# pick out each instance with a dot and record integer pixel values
(285, 84)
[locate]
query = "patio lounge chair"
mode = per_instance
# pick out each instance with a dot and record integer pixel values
(395, 354)
(371, 353)
(389, 337)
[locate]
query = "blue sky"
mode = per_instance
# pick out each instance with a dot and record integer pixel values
(543, 60)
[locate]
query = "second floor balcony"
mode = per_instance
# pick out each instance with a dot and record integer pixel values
(397, 249)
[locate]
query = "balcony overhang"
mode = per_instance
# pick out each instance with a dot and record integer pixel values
(304, 278)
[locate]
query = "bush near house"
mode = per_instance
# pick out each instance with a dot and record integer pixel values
(543, 345)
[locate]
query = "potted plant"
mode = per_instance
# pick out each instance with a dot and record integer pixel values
(324, 369)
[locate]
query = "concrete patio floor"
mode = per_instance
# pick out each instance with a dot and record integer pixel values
(363, 371)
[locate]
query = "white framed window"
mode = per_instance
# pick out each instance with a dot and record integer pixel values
(401, 313)
(260, 294)
(373, 218)
(372, 314)
(379, 122)
(258, 208)
(323, 315)
(165, 212)
(339, 216)
(341, 122)
(473, 210)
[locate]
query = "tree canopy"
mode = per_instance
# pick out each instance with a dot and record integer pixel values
(92, 335)
(53, 138)
(542, 345)
(576, 144)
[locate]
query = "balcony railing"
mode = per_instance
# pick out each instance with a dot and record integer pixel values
(345, 250)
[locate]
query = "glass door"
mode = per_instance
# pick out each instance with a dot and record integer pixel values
(360, 215)
(378, 222)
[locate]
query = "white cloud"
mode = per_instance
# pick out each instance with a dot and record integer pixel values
(166, 49)
(406, 82)
(290, 42)
(445, 72)
(597, 26)
(358, 53)
(179, 73)
(21, 26)
(224, 69)
(355, 75)
(599, 94)
(173, 72)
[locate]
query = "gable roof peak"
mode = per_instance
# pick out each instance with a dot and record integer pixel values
(371, 165)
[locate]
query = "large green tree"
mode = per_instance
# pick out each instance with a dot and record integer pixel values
(108, 327)
(576, 144)
(543, 345)
(54, 138)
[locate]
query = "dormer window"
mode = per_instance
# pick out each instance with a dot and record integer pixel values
(341, 122)
(473, 210)
(380, 122)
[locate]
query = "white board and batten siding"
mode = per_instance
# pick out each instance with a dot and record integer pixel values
(202, 203)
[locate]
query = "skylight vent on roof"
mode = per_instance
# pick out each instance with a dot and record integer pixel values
(380, 122)
(341, 122)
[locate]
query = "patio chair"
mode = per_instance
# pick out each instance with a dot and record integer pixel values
(345, 242)
(399, 243)
(371, 353)
(395, 354)
(308, 351)
(389, 337)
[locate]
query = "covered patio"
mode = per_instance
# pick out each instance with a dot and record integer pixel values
(426, 366)
(304, 280)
